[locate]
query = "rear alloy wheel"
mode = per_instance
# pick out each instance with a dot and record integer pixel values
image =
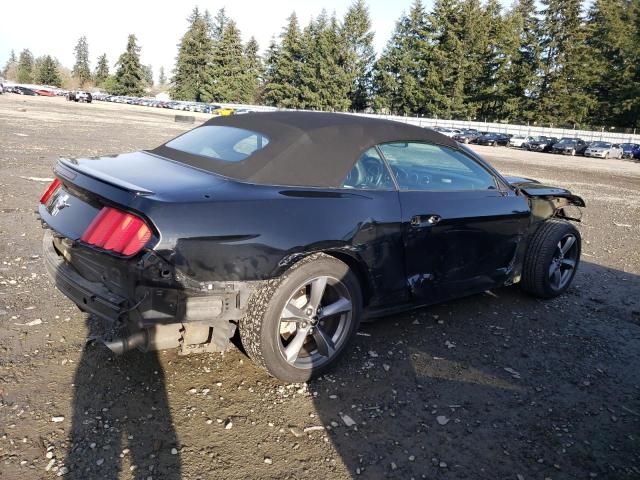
(552, 259)
(298, 324)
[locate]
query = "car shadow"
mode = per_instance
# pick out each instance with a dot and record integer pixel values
(497, 385)
(121, 416)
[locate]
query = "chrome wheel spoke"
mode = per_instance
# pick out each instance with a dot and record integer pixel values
(567, 244)
(552, 268)
(292, 350)
(291, 313)
(556, 277)
(317, 292)
(569, 263)
(324, 343)
(342, 305)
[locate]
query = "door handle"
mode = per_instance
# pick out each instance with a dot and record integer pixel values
(425, 220)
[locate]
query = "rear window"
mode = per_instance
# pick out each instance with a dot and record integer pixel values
(218, 142)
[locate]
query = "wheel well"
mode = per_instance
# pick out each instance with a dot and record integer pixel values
(359, 270)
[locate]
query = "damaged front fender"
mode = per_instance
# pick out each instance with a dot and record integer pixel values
(547, 201)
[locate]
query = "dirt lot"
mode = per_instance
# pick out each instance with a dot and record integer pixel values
(495, 386)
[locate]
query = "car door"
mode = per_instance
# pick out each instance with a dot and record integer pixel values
(461, 226)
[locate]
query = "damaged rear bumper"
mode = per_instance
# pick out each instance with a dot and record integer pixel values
(160, 313)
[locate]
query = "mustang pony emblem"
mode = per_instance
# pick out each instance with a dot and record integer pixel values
(61, 202)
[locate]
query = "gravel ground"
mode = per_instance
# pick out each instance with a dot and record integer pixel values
(494, 386)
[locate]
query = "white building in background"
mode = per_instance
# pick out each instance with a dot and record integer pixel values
(163, 97)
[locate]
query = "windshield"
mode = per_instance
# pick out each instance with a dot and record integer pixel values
(229, 144)
(601, 145)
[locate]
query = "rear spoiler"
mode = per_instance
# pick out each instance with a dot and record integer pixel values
(68, 169)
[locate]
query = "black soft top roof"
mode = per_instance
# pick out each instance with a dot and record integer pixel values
(305, 148)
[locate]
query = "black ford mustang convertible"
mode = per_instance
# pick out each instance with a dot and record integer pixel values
(291, 227)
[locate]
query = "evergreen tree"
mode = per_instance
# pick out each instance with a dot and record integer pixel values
(81, 71)
(405, 81)
(10, 66)
(130, 75)
(162, 78)
(630, 89)
(283, 80)
(495, 101)
(46, 72)
(448, 66)
(564, 99)
(252, 72)
(610, 41)
(525, 86)
(218, 24)
(147, 70)
(226, 68)
(192, 72)
(359, 55)
(478, 62)
(25, 67)
(325, 84)
(102, 70)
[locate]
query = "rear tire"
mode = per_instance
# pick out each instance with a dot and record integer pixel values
(552, 258)
(298, 325)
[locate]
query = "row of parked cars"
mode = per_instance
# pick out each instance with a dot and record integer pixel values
(200, 107)
(20, 90)
(563, 146)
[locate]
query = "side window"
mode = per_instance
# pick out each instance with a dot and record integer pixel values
(369, 173)
(421, 166)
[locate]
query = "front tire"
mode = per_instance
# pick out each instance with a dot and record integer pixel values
(299, 324)
(552, 258)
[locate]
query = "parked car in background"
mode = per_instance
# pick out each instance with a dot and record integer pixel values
(520, 141)
(542, 144)
(603, 150)
(449, 132)
(467, 136)
(79, 96)
(224, 111)
(45, 93)
(629, 150)
(24, 91)
(570, 146)
(493, 139)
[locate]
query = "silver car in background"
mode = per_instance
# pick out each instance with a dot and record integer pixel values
(604, 150)
(520, 141)
(449, 132)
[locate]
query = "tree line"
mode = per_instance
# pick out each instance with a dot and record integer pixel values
(557, 62)
(130, 77)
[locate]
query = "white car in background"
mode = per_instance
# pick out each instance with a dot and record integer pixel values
(604, 150)
(449, 132)
(520, 141)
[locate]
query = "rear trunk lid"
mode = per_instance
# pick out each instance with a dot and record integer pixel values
(133, 182)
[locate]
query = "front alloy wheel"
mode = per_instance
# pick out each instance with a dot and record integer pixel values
(552, 258)
(563, 262)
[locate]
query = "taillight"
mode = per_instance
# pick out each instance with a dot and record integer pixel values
(117, 231)
(49, 191)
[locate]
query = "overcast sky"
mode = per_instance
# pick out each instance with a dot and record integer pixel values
(48, 27)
